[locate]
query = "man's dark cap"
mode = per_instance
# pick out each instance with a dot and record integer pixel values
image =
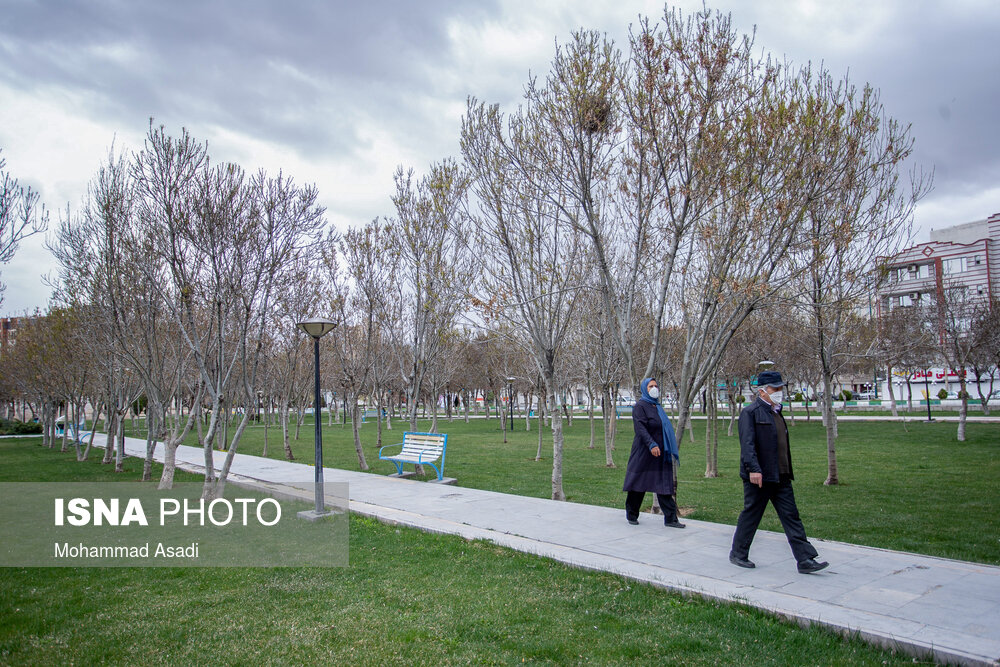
(770, 379)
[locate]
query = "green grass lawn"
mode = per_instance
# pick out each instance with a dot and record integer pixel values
(407, 598)
(910, 487)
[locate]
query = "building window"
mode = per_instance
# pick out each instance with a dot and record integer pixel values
(977, 260)
(954, 265)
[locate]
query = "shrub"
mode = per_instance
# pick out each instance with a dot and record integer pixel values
(798, 397)
(15, 427)
(943, 394)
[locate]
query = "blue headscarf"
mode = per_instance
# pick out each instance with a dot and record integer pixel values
(669, 439)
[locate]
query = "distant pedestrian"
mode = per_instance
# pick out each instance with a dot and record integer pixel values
(654, 454)
(766, 469)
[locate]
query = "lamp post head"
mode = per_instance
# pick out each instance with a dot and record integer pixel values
(317, 327)
(765, 365)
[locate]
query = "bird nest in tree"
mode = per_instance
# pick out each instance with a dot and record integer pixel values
(594, 114)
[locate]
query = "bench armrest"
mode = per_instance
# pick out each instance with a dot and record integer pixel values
(398, 444)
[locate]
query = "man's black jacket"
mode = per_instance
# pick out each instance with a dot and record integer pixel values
(759, 441)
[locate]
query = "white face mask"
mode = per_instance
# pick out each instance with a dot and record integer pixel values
(777, 397)
(654, 392)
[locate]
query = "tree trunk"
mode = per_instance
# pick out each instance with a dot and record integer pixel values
(711, 437)
(963, 411)
(527, 411)
(93, 432)
(355, 423)
(120, 452)
(169, 464)
(557, 439)
(830, 423)
(590, 419)
(540, 420)
(732, 416)
(267, 419)
(434, 414)
(283, 417)
(147, 463)
(224, 443)
(609, 437)
(503, 420)
(109, 448)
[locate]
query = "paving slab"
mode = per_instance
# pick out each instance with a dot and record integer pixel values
(929, 607)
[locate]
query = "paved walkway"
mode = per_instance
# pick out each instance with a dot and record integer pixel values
(922, 605)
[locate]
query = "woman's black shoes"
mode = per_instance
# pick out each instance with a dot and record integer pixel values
(634, 522)
(674, 524)
(742, 562)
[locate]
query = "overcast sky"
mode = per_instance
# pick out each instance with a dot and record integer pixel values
(341, 93)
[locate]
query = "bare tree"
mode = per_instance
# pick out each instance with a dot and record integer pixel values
(958, 311)
(901, 335)
(227, 242)
(985, 358)
(532, 255)
(431, 267)
(859, 213)
(21, 216)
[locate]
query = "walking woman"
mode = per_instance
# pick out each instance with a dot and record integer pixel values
(654, 454)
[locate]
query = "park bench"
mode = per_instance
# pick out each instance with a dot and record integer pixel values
(419, 449)
(369, 414)
(76, 430)
(623, 410)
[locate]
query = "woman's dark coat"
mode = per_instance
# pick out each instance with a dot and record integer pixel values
(646, 472)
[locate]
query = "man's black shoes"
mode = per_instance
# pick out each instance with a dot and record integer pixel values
(674, 524)
(810, 566)
(634, 522)
(742, 562)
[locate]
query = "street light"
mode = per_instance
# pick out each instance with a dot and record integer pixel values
(510, 401)
(317, 327)
(927, 391)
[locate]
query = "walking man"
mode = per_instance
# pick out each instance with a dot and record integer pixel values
(766, 469)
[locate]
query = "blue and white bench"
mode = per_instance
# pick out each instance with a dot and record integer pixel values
(623, 410)
(75, 430)
(419, 449)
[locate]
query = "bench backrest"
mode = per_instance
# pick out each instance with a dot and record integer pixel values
(430, 445)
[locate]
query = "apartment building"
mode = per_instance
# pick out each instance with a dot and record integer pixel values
(964, 257)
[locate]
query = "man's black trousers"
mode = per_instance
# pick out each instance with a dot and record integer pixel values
(755, 501)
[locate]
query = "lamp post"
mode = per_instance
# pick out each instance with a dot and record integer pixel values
(927, 392)
(510, 401)
(317, 327)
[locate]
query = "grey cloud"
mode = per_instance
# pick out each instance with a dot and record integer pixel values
(936, 66)
(301, 73)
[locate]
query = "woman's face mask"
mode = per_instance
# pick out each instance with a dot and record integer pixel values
(654, 392)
